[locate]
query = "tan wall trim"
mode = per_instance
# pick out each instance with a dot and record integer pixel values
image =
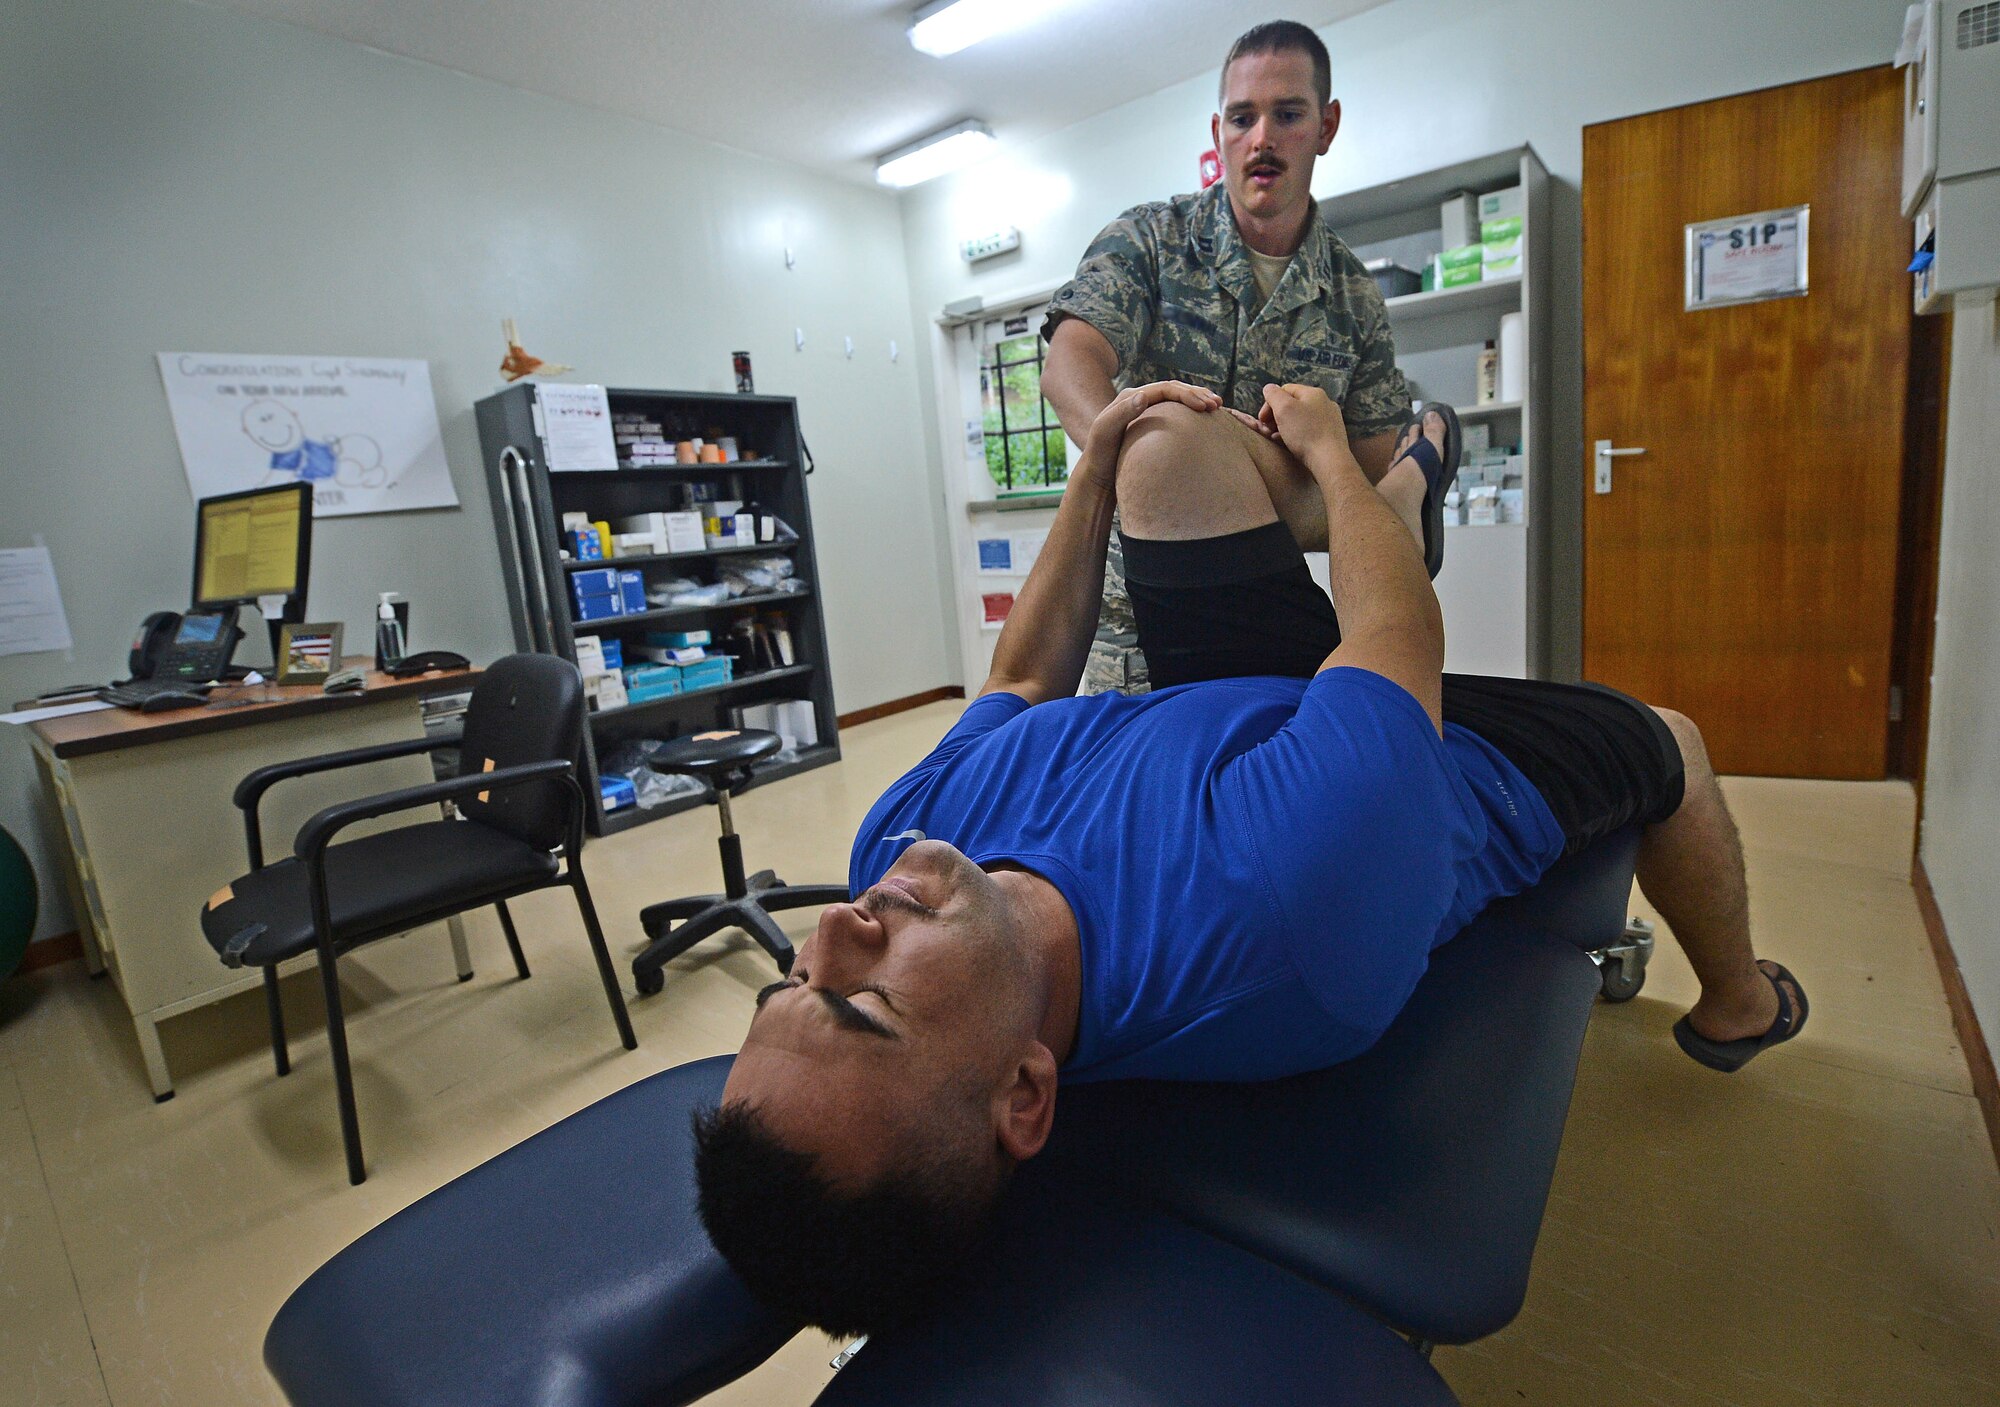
(1964, 1020)
(883, 710)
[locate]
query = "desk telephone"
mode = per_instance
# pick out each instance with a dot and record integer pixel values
(189, 649)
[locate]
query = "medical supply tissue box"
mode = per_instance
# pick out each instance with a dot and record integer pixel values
(649, 528)
(679, 639)
(614, 654)
(605, 692)
(646, 682)
(589, 656)
(717, 669)
(596, 593)
(632, 589)
(1501, 205)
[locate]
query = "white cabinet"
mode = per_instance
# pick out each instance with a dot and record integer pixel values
(1494, 586)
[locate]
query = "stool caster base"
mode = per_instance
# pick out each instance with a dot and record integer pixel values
(702, 916)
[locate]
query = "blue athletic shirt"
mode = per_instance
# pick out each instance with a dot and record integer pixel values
(1259, 867)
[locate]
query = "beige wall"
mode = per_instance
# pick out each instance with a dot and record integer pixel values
(174, 177)
(1961, 828)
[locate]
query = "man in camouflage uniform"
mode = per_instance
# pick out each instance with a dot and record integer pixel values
(1239, 286)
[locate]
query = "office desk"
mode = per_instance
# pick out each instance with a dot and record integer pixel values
(144, 800)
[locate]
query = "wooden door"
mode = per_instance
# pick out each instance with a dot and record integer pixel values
(1742, 569)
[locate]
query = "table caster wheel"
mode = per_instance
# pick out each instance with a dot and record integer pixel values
(1616, 986)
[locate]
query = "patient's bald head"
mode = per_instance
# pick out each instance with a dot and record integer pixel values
(884, 1093)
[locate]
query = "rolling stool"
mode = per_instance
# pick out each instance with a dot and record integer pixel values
(722, 759)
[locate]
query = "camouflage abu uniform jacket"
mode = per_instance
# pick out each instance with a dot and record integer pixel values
(1170, 286)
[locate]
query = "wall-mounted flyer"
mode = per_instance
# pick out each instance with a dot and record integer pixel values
(362, 431)
(1747, 258)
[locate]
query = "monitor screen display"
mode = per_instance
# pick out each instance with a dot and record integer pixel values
(250, 545)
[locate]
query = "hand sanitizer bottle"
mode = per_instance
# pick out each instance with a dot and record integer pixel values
(388, 633)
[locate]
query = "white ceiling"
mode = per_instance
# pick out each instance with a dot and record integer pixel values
(828, 84)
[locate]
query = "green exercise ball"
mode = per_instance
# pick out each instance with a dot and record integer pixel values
(18, 902)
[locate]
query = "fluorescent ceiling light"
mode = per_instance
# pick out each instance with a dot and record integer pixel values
(946, 26)
(955, 146)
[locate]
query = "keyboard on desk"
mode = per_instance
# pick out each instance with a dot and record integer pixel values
(155, 695)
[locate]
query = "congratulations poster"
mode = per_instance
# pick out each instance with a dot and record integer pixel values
(362, 431)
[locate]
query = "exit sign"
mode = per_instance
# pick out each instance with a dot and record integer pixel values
(987, 245)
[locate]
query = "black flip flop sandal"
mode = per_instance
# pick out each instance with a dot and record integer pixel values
(1439, 472)
(1731, 1056)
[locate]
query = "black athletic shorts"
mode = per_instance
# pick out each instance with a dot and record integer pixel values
(1214, 608)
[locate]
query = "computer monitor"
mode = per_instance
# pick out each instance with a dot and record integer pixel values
(254, 544)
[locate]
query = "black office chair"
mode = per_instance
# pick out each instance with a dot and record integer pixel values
(722, 759)
(519, 828)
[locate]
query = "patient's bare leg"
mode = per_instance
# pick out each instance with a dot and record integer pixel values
(1184, 474)
(1691, 868)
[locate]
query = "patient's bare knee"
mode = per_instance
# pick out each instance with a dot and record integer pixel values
(1180, 471)
(1160, 443)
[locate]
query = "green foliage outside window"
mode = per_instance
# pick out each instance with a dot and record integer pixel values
(1024, 440)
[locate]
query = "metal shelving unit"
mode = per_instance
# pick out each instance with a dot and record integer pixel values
(528, 504)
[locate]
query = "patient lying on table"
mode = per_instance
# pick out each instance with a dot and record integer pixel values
(1238, 876)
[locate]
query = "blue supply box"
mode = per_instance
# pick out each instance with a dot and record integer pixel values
(717, 669)
(632, 590)
(646, 682)
(597, 592)
(584, 546)
(613, 650)
(617, 793)
(678, 639)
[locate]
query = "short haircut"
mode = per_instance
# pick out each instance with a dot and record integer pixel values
(1281, 37)
(849, 1264)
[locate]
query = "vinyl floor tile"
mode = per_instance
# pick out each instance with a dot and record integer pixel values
(1823, 1228)
(47, 1358)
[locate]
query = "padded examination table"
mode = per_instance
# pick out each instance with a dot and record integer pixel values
(1183, 1244)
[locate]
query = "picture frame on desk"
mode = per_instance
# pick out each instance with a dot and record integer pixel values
(307, 652)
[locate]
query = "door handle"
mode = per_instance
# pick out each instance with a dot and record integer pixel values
(1605, 451)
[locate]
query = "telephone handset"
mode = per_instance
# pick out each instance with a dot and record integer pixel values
(194, 647)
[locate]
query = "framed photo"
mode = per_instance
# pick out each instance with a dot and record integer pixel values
(307, 654)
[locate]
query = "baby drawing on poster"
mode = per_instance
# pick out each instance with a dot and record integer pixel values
(360, 432)
(354, 460)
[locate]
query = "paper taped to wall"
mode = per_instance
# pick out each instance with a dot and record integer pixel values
(31, 608)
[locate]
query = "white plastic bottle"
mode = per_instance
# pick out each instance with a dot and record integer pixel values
(388, 633)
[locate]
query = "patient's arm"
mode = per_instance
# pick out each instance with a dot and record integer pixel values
(1046, 640)
(1390, 623)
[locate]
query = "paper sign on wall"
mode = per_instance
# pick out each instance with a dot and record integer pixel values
(362, 431)
(1010, 554)
(994, 608)
(31, 608)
